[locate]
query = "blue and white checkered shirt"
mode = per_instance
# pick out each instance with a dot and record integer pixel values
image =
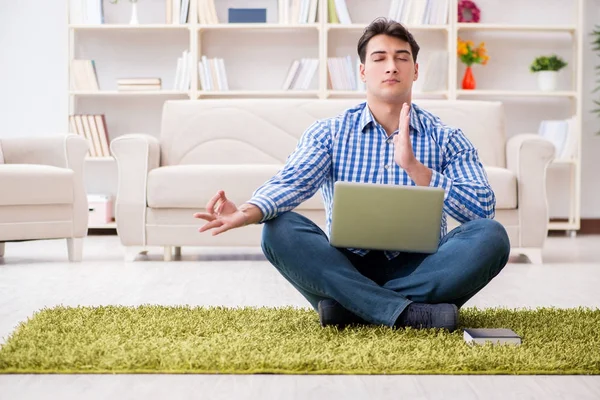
(354, 147)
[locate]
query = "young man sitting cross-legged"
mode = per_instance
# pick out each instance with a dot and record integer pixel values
(390, 288)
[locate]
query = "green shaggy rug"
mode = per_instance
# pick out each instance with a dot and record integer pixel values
(158, 339)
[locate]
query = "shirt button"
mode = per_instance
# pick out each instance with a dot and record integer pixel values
(386, 166)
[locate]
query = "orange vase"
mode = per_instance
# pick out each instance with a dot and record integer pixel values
(468, 82)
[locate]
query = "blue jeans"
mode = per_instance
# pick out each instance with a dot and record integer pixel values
(375, 288)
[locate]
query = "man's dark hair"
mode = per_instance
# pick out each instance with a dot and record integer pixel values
(386, 27)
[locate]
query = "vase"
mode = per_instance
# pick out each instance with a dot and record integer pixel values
(468, 82)
(547, 80)
(134, 16)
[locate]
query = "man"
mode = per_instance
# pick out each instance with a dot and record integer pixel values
(381, 141)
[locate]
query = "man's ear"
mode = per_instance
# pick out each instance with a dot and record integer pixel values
(362, 72)
(416, 72)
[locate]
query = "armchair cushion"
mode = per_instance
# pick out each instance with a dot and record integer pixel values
(504, 183)
(31, 184)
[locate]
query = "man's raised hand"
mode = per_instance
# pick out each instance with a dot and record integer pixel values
(221, 215)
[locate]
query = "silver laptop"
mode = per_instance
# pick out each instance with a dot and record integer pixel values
(386, 217)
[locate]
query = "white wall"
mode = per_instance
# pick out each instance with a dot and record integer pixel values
(33, 89)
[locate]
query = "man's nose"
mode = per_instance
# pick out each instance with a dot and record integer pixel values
(390, 67)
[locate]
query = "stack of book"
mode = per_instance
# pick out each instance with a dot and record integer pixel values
(212, 75)
(297, 11)
(344, 74)
(338, 12)
(563, 135)
(93, 129)
(207, 13)
(83, 75)
(177, 11)
(419, 12)
(435, 74)
(301, 74)
(133, 84)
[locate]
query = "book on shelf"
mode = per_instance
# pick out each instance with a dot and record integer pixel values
(297, 11)
(177, 11)
(482, 336)
(93, 129)
(344, 74)
(132, 84)
(83, 75)
(183, 72)
(562, 134)
(300, 74)
(246, 15)
(337, 10)
(88, 12)
(419, 12)
(212, 75)
(435, 75)
(207, 12)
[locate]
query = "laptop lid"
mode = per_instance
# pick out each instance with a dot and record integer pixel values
(386, 217)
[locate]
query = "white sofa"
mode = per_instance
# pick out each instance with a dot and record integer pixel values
(237, 144)
(43, 193)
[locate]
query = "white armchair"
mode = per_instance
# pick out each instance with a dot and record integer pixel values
(42, 190)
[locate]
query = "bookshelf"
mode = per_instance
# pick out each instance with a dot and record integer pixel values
(257, 58)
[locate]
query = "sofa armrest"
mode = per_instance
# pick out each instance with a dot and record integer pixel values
(63, 151)
(136, 155)
(528, 156)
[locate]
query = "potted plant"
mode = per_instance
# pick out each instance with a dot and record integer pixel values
(469, 54)
(546, 68)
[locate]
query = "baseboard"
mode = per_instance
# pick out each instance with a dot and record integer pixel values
(588, 226)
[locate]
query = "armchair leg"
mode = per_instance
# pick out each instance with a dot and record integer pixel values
(168, 253)
(75, 249)
(1, 249)
(534, 255)
(131, 252)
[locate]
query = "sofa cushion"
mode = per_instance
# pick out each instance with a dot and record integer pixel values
(504, 184)
(192, 186)
(29, 184)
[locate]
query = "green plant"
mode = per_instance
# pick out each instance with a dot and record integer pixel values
(547, 63)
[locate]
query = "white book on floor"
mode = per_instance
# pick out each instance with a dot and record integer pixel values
(491, 335)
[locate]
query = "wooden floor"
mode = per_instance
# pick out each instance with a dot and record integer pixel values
(36, 274)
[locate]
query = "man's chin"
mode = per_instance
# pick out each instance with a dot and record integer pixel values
(391, 96)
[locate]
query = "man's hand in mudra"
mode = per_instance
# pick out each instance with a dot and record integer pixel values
(222, 215)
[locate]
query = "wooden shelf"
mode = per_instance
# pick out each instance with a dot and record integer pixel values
(353, 27)
(101, 93)
(562, 226)
(102, 27)
(261, 26)
(361, 94)
(259, 93)
(515, 28)
(110, 225)
(517, 93)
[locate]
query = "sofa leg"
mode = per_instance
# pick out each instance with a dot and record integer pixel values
(75, 249)
(168, 253)
(1, 249)
(131, 252)
(177, 252)
(534, 255)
